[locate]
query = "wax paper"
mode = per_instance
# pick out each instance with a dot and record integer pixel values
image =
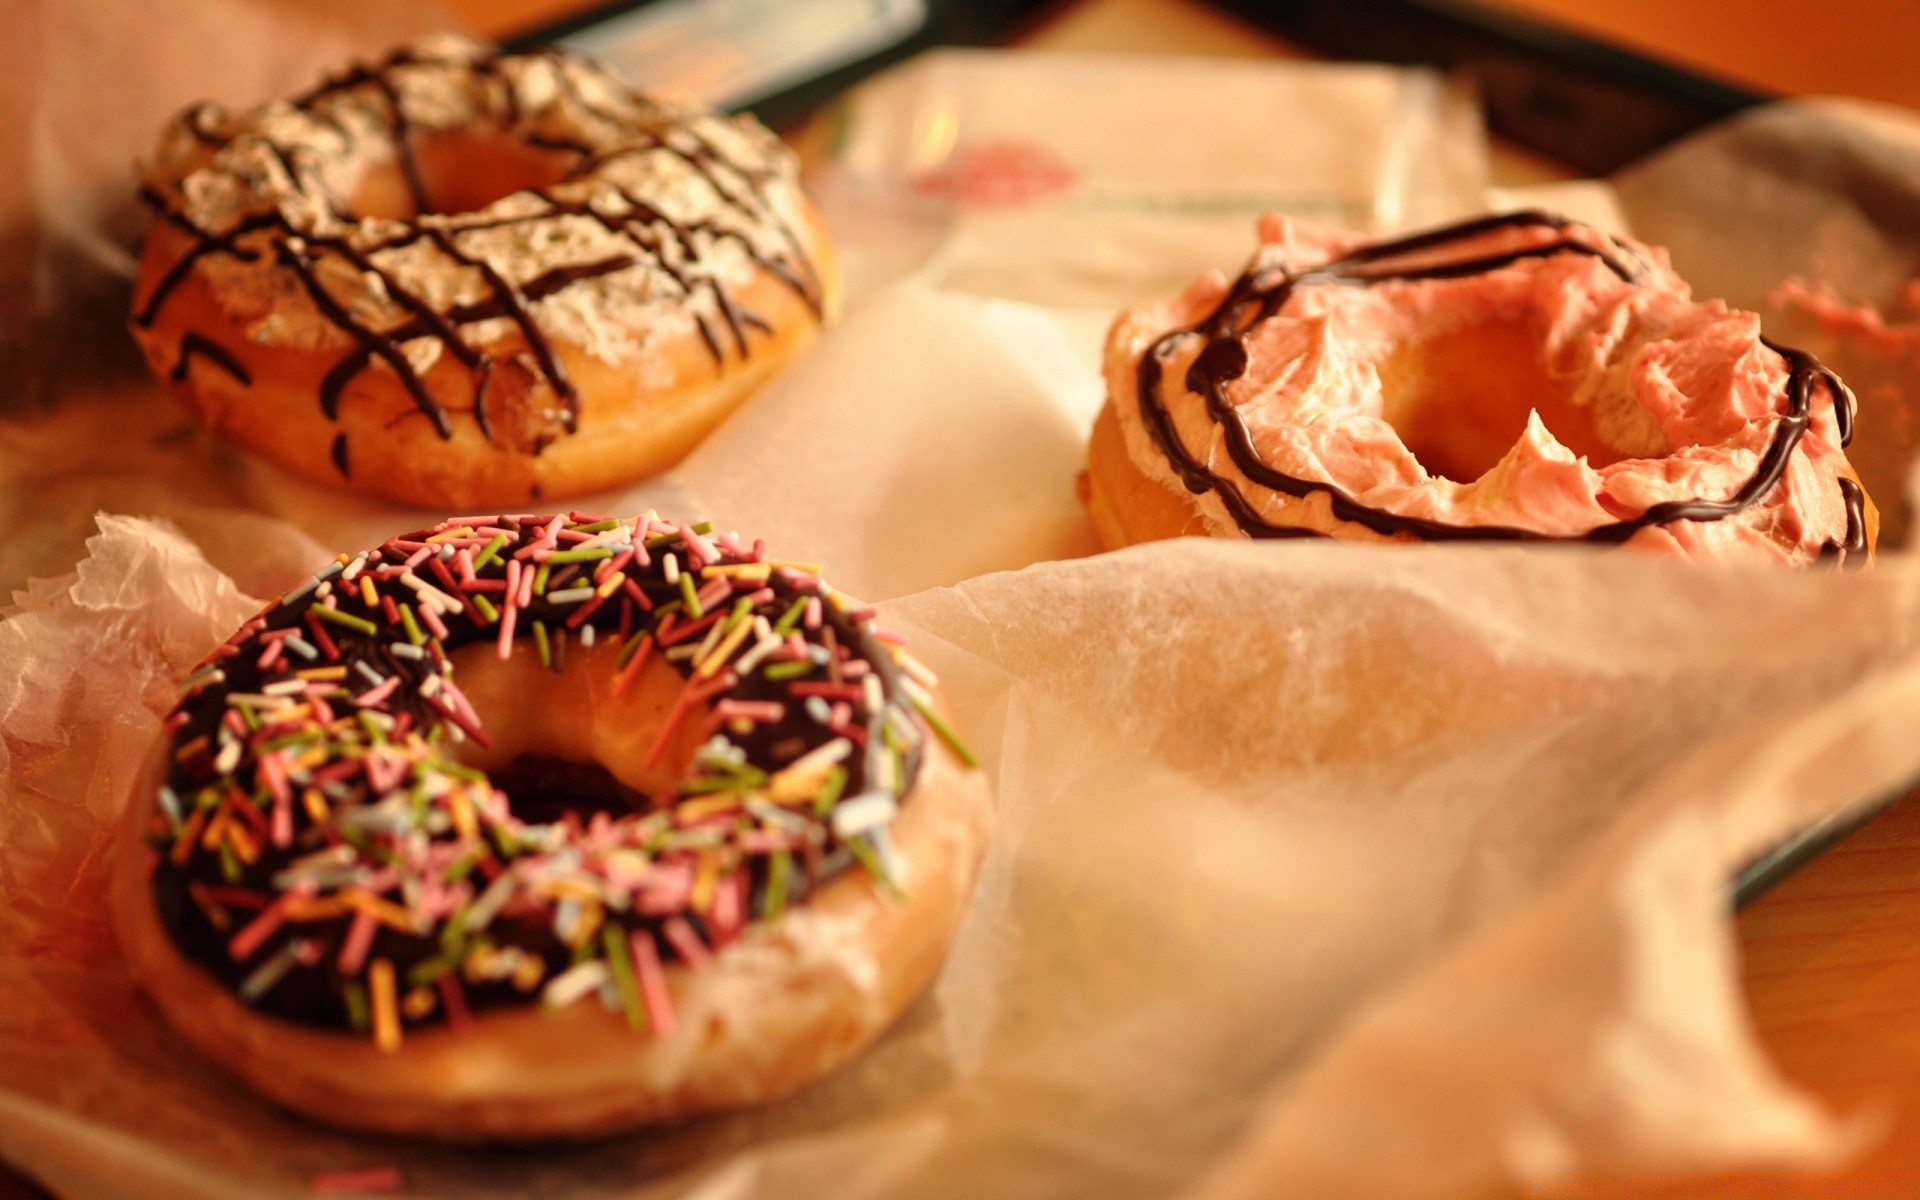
(1319, 870)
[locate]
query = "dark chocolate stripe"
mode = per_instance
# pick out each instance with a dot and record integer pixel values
(1263, 294)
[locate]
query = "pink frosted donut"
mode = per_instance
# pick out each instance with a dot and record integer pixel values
(1517, 377)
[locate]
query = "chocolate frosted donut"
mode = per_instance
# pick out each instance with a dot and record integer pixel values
(524, 826)
(1516, 378)
(462, 277)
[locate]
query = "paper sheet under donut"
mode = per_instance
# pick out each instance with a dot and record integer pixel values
(1394, 872)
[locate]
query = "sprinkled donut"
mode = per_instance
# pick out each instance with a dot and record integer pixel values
(461, 277)
(688, 832)
(1520, 377)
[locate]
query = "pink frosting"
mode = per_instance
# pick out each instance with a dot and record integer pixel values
(1679, 399)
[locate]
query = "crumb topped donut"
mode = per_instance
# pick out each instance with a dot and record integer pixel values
(527, 826)
(461, 277)
(1519, 377)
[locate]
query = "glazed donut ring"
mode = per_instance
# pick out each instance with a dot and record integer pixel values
(330, 882)
(462, 278)
(1520, 377)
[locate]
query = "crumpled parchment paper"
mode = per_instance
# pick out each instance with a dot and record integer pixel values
(1321, 869)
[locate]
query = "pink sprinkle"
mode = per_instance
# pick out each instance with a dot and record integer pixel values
(485, 585)
(889, 636)
(687, 943)
(358, 942)
(730, 544)
(573, 536)
(463, 562)
(653, 982)
(416, 558)
(617, 563)
(717, 589)
(763, 596)
(321, 638)
(580, 614)
(729, 908)
(283, 817)
(752, 710)
(634, 593)
(525, 598)
(631, 671)
(509, 617)
(378, 693)
(432, 621)
(271, 656)
(812, 618)
(692, 628)
(262, 927)
(759, 550)
(369, 1179)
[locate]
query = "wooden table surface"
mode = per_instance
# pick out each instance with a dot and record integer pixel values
(1831, 956)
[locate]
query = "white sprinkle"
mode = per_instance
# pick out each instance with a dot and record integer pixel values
(285, 687)
(170, 803)
(447, 551)
(228, 758)
(670, 569)
(575, 982)
(870, 693)
(587, 636)
(863, 814)
(368, 673)
(405, 650)
(918, 671)
(300, 646)
(353, 568)
(819, 709)
(323, 591)
(570, 595)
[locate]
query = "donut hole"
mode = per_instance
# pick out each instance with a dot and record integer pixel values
(542, 789)
(459, 172)
(1459, 400)
(564, 741)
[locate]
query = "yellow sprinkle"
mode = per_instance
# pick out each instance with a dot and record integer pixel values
(183, 845)
(318, 908)
(693, 811)
(751, 572)
(805, 568)
(418, 1003)
(529, 972)
(705, 884)
(216, 830)
(244, 847)
(461, 809)
(386, 1015)
(322, 674)
(565, 888)
(384, 911)
(724, 650)
(316, 805)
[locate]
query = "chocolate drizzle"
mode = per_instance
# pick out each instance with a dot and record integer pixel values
(676, 248)
(195, 343)
(1260, 294)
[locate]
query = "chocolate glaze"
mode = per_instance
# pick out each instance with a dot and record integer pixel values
(649, 230)
(311, 993)
(1261, 293)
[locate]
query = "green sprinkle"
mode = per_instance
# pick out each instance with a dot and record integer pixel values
(780, 672)
(779, 882)
(492, 552)
(230, 869)
(488, 613)
(347, 620)
(830, 791)
(355, 994)
(620, 962)
(741, 608)
(947, 735)
(591, 554)
(540, 579)
(662, 539)
(461, 869)
(596, 527)
(692, 597)
(703, 528)
(546, 647)
(414, 635)
(429, 969)
(863, 851)
(627, 651)
(671, 606)
(790, 618)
